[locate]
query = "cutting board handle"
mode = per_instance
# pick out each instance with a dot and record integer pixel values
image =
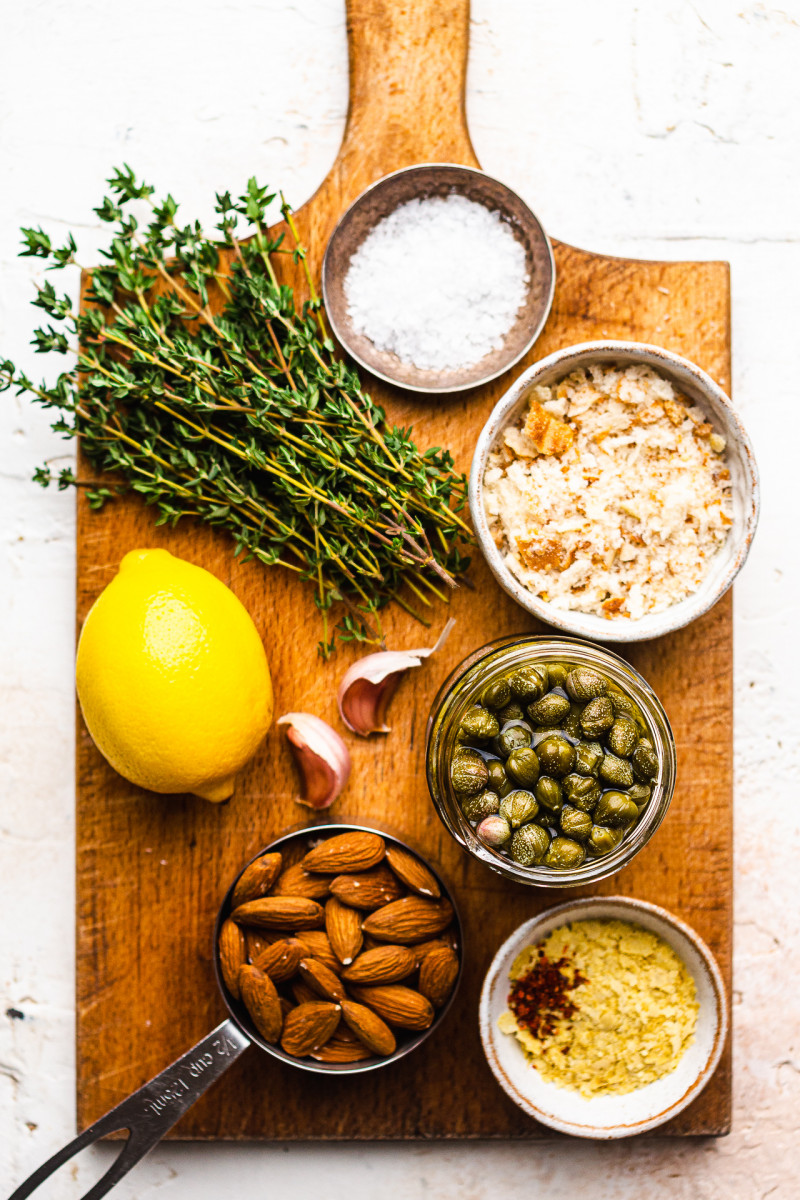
(408, 70)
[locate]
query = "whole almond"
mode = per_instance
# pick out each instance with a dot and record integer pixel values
(437, 975)
(369, 890)
(369, 1027)
(421, 949)
(256, 880)
(321, 979)
(297, 881)
(398, 1005)
(259, 939)
(308, 1027)
(279, 912)
(343, 927)
(280, 960)
(411, 919)
(232, 955)
(339, 1050)
(347, 852)
(317, 945)
(261, 999)
(413, 873)
(384, 964)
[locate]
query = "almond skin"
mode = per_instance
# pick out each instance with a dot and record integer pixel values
(400, 1006)
(308, 1027)
(256, 880)
(279, 912)
(384, 964)
(368, 1026)
(413, 873)
(369, 890)
(337, 1050)
(232, 955)
(259, 939)
(261, 1000)
(437, 975)
(409, 920)
(297, 881)
(421, 949)
(302, 993)
(343, 927)
(317, 945)
(321, 979)
(280, 960)
(348, 852)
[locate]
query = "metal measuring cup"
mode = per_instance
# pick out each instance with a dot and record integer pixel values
(149, 1113)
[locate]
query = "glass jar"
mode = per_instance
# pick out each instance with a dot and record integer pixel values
(462, 690)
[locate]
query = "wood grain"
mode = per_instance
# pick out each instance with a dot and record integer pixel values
(152, 870)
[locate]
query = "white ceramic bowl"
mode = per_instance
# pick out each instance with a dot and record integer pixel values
(695, 384)
(606, 1117)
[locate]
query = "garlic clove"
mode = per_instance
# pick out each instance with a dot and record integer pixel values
(368, 686)
(321, 757)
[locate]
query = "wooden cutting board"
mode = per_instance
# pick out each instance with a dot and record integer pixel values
(152, 870)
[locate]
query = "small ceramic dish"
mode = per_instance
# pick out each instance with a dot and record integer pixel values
(606, 1117)
(421, 182)
(739, 458)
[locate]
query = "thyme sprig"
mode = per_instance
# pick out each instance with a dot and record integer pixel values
(200, 385)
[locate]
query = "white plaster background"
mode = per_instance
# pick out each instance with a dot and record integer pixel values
(667, 128)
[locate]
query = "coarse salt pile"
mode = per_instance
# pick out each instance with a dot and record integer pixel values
(438, 282)
(635, 1009)
(612, 495)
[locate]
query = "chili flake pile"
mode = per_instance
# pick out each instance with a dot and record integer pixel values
(601, 1007)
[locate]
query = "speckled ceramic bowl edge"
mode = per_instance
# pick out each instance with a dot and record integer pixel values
(530, 931)
(510, 407)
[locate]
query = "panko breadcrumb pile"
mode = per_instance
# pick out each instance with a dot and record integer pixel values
(612, 495)
(636, 1009)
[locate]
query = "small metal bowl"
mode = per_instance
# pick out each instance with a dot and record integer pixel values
(740, 459)
(407, 1040)
(607, 1117)
(421, 182)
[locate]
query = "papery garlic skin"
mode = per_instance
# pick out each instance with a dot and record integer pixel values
(369, 684)
(322, 758)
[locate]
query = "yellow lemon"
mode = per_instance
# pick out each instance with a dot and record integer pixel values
(172, 677)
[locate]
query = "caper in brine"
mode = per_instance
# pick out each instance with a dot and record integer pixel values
(588, 756)
(602, 839)
(518, 807)
(616, 810)
(498, 779)
(550, 710)
(479, 724)
(556, 755)
(511, 712)
(557, 674)
(564, 853)
(624, 706)
(529, 845)
(639, 794)
(485, 804)
(582, 791)
(597, 717)
(645, 761)
(523, 766)
(623, 736)
(572, 725)
(617, 771)
(511, 738)
(468, 772)
(585, 684)
(496, 695)
(548, 793)
(494, 830)
(575, 823)
(528, 683)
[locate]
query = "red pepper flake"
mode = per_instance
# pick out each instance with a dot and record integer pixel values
(540, 996)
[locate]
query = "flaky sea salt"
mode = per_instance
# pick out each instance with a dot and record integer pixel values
(439, 282)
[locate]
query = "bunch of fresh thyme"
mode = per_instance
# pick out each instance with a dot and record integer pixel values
(203, 388)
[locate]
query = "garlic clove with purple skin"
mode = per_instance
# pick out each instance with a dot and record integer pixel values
(368, 686)
(321, 756)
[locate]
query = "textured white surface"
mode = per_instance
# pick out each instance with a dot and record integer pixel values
(667, 129)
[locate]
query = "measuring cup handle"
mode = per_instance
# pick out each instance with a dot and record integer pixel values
(151, 1111)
